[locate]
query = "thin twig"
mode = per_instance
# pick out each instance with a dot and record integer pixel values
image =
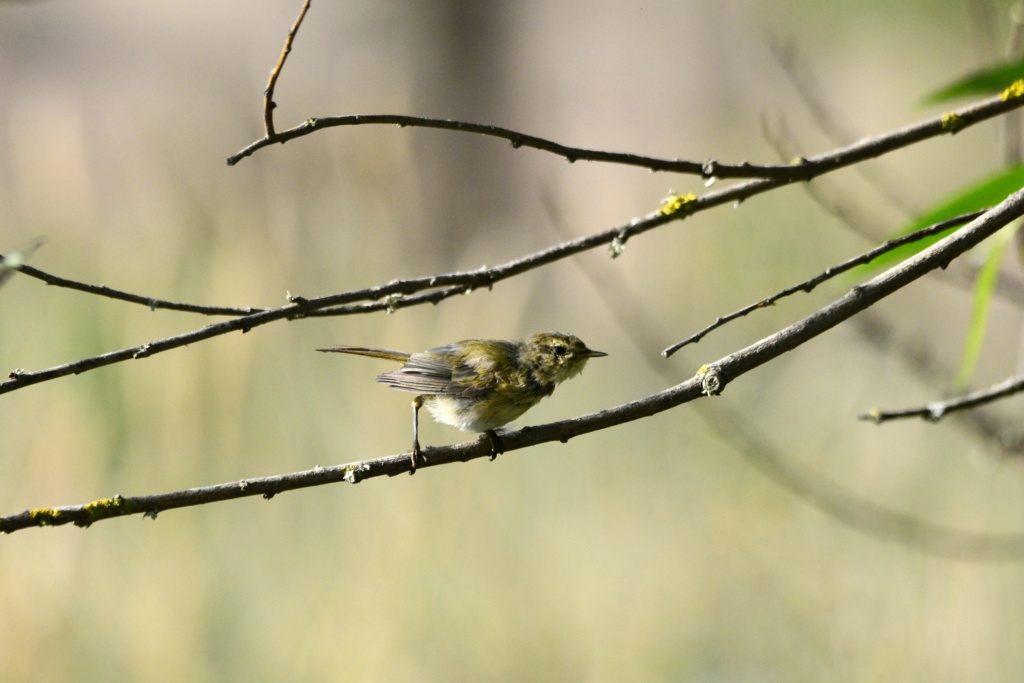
(710, 379)
(268, 95)
(149, 302)
(933, 412)
(1005, 433)
(517, 139)
(808, 285)
(805, 169)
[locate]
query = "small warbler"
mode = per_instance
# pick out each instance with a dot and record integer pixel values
(479, 385)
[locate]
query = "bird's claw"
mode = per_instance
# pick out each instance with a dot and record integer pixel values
(416, 456)
(496, 447)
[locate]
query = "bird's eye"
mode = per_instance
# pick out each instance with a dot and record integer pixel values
(558, 350)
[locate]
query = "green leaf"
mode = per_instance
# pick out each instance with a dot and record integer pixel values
(984, 290)
(984, 194)
(985, 82)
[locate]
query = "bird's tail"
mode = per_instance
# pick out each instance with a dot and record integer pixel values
(386, 354)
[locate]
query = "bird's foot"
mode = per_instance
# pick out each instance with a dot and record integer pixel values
(496, 447)
(417, 456)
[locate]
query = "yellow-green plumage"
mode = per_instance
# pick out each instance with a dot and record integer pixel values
(479, 385)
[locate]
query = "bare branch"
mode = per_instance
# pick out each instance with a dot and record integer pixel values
(149, 302)
(710, 380)
(1006, 434)
(19, 379)
(517, 140)
(805, 169)
(829, 273)
(933, 412)
(119, 506)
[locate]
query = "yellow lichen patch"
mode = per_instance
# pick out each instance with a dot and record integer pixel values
(108, 507)
(45, 516)
(675, 202)
(1014, 92)
(951, 122)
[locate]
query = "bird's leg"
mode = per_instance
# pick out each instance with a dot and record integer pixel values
(416, 403)
(495, 440)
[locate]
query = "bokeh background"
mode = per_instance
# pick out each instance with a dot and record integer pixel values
(653, 551)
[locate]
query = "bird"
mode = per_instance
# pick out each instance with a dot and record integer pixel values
(480, 385)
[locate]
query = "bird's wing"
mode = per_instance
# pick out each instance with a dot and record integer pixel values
(423, 373)
(489, 364)
(468, 369)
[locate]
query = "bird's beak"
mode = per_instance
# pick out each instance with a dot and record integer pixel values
(591, 353)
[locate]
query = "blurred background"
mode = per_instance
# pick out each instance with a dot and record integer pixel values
(653, 551)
